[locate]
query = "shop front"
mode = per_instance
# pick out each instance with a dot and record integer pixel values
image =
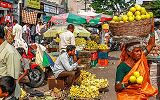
(6, 10)
(31, 11)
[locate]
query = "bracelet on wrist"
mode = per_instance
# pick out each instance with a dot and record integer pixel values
(123, 86)
(152, 34)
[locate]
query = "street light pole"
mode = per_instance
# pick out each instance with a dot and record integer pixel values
(20, 11)
(85, 5)
(66, 4)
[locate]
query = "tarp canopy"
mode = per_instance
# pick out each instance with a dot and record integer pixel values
(78, 31)
(68, 18)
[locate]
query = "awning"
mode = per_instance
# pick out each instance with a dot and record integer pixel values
(29, 17)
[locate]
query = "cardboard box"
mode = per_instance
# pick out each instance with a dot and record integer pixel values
(55, 83)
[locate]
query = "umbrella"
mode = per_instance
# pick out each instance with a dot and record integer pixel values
(78, 31)
(89, 13)
(59, 19)
(72, 18)
(68, 17)
(94, 18)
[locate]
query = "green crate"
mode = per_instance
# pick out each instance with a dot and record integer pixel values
(94, 63)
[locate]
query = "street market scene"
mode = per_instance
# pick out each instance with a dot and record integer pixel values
(79, 49)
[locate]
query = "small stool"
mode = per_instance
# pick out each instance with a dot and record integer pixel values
(56, 83)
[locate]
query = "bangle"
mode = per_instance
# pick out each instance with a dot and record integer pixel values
(152, 34)
(123, 86)
(146, 51)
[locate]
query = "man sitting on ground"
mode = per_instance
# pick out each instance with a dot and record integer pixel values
(66, 66)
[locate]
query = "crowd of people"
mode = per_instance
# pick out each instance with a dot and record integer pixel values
(66, 65)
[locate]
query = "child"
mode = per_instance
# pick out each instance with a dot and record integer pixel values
(7, 88)
(25, 62)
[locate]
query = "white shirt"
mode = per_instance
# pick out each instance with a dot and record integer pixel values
(17, 31)
(38, 29)
(66, 38)
(24, 29)
(63, 63)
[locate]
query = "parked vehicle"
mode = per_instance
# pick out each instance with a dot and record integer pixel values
(35, 73)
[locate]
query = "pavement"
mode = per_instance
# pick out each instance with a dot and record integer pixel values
(108, 72)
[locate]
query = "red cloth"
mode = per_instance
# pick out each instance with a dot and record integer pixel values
(30, 55)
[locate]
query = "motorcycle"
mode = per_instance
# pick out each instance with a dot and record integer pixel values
(35, 73)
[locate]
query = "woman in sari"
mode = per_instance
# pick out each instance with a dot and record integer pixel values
(133, 58)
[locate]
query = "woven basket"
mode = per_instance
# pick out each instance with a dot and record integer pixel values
(137, 28)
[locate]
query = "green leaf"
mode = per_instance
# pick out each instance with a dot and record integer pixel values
(104, 6)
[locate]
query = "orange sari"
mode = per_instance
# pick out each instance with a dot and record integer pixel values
(136, 91)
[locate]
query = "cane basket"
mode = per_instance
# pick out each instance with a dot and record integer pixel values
(136, 28)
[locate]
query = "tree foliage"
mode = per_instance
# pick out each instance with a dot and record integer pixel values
(153, 6)
(115, 6)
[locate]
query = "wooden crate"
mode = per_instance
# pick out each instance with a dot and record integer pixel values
(55, 83)
(85, 60)
(84, 54)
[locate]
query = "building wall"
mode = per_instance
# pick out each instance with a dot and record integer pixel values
(74, 6)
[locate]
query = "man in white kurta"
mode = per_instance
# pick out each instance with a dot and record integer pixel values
(17, 34)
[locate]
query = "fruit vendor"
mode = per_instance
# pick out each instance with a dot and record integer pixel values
(134, 64)
(67, 38)
(67, 68)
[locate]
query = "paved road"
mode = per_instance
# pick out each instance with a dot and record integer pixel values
(107, 72)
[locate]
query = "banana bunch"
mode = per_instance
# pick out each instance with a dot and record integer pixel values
(23, 94)
(84, 92)
(89, 86)
(80, 41)
(91, 45)
(86, 75)
(102, 47)
(75, 91)
(99, 83)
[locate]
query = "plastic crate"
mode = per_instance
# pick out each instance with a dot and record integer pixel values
(94, 63)
(94, 56)
(103, 62)
(102, 55)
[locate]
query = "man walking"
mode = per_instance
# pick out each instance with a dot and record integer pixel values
(17, 35)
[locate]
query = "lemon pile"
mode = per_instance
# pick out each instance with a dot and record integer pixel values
(136, 78)
(89, 87)
(102, 47)
(80, 42)
(91, 45)
(135, 13)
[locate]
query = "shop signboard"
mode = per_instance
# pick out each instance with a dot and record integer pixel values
(50, 9)
(33, 4)
(61, 10)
